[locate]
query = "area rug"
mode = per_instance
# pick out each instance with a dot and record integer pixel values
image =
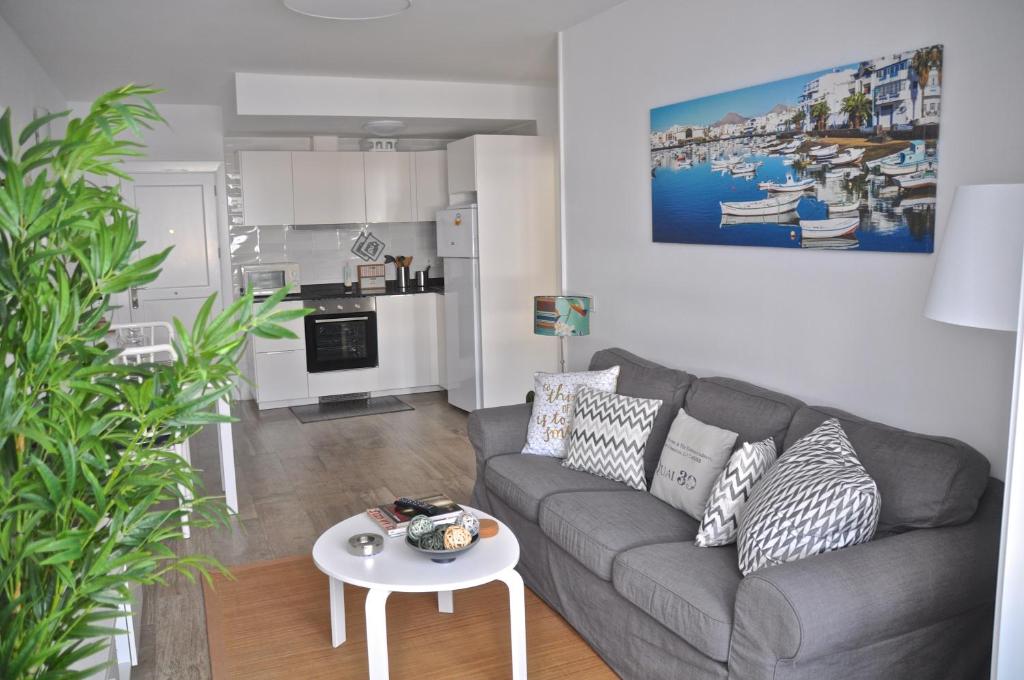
(349, 408)
(273, 622)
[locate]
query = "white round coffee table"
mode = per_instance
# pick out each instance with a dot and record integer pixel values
(398, 568)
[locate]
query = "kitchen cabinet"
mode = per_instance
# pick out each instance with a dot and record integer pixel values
(344, 382)
(431, 168)
(328, 187)
(389, 194)
(267, 196)
(281, 376)
(297, 326)
(407, 341)
(462, 166)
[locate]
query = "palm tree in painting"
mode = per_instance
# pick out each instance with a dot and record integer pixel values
(819, 112)
(921, 65)
(798, 119)
(858, 108)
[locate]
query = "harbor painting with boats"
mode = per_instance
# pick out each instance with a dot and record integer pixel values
(844, 158)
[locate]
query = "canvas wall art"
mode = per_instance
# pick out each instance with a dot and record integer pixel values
(844, 158)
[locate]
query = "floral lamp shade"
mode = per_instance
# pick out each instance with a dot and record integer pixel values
(561, 315)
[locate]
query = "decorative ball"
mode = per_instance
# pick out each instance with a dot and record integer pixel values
(469, 522)
(456, 537)
(431, 541)
(419, 526)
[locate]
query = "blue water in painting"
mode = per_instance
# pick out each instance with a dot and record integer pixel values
(685, 209)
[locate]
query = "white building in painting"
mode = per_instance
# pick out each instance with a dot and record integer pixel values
(929, 99)
(891, 91)
(831, 88)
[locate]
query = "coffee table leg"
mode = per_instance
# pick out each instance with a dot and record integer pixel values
(517, 620)
(337, 611)
(445, 602)
(377, 633)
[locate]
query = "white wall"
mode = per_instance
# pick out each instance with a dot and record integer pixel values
(24, 86)
(836, 328)
(264, 94)
(193, 132)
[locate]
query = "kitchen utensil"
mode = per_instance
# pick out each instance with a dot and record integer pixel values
(402, 277)
(421, 278)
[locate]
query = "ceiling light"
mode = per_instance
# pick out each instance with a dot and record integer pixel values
(348, 10)
(383, 128)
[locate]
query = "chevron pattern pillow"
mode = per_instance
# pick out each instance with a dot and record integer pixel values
(609, 433)
(816, 499)
(731, 491)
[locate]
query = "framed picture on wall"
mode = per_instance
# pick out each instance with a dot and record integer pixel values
(844, 158)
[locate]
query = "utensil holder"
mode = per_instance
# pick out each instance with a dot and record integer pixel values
(402, 277)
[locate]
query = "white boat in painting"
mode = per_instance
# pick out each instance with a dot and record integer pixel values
(786, 219)
(848, 156)
(775, 205)
(916, 181)
(787, 161)
(743, 169)
(725, 163)
(917, 202)
(824, 151)
(830, 228)
(890, 159)
(789, 185)
(790, 148)
(840, 243)
(897, 169)
(839, 208)
(842, 172)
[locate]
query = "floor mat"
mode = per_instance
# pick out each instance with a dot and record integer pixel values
(333, 410)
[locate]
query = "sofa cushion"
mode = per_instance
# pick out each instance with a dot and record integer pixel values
(642, 378)
(751, 411)
(689, 590)
(524, 481)
(595, 526)
(924, 481)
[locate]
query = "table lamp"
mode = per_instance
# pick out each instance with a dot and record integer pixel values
(562, 316)
(977, 282)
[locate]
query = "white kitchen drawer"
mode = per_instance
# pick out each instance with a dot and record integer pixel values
(281, 376)
(297, 326)
(343, 382)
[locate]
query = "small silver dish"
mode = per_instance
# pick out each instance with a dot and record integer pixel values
(365, 545)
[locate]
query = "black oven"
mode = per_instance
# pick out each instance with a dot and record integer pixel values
(341, 334)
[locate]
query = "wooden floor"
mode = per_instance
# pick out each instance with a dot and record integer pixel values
(295, 481)
(272, 622)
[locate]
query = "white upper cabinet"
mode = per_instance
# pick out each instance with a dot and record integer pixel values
(266, 187)
(389, 194)
(462, 166)
(431, 184)
(328, 187)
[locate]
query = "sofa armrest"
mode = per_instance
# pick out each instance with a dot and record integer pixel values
(494, 431)
(854, 597)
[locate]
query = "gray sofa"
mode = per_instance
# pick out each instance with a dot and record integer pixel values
(621, 567)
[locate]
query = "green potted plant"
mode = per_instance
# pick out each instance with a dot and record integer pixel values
(90, 489)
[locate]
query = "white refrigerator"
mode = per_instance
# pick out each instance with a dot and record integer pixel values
(457, 244)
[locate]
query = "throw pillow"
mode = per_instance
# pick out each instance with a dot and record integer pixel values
(609, 432)
(731, 491)
(694, 455)
(553, 398)
(816, 499)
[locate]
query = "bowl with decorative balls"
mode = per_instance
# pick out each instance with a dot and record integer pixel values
(443, 543)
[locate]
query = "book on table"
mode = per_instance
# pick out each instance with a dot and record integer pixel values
(393, 518)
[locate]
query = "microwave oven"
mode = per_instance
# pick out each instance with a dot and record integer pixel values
(268, 278)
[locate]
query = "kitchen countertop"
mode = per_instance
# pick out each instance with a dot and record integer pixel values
(320, 291)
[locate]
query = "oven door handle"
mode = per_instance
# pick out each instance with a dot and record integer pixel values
(345, 320)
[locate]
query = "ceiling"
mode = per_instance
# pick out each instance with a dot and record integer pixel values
(192, 48)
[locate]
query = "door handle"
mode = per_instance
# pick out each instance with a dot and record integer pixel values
(134, 296)
(345, 320)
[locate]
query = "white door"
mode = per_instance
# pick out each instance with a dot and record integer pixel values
(176, 209)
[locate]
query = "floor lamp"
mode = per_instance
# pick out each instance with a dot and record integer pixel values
(977, 282)
(562, 316)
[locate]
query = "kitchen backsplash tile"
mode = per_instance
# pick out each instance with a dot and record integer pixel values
(322, 253)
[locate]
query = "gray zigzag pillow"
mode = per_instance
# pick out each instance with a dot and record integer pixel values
(609, 433)
(816, 499)
(731, 491)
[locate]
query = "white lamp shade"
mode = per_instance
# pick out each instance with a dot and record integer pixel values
(977, 276)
